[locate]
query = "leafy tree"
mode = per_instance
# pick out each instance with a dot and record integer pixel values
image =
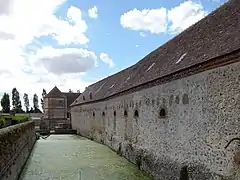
(42, 100)
(5, 103)
(16, 102)
(35, 102)
(26, 102)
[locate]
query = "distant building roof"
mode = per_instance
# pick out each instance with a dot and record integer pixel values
(55, 92)
(215, 35)
(71, 96)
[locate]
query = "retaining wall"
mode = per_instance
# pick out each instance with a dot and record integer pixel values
(16, 143)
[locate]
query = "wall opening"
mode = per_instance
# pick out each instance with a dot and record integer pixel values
(114, 123)
(84, 98)
(90, 95)
(93, 114)
(103, 113)
(185, 99)
(125, 113)
(136, 114)
(162, 113)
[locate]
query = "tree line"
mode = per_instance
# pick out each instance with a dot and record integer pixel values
(17, 105)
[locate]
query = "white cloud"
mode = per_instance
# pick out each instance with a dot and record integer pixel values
(184, 15)
(93, 12)
(32, 19)
(142, 34)
(29, 66)
(161, 20)
(137, 45)
(36, 82)
(5, 6)
(153, 20)
(106, 59)
(64, 61)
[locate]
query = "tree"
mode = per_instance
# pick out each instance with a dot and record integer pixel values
(42, 100)
(70, 90)
(5, 103)
(35, 102)
(31, 110)
(16, 102)
(26, 102)
(78, 91)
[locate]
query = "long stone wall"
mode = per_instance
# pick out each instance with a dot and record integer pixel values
(173, 129)
(16, 143)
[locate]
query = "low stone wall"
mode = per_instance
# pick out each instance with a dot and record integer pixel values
(16, 143)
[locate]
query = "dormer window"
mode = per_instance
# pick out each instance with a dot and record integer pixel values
(90, 95)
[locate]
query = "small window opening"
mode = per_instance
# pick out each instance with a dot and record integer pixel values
(103, 113)
(136, 114)
(93, 114)
(90, 95)
(114, 113)
(125, 113)
(84, 98)
(162, 113)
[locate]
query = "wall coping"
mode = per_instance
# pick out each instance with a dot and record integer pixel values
(13, 127)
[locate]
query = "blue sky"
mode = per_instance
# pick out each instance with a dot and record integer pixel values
(72, 43)
(107, 34)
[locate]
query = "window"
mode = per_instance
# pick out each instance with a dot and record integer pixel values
(114, 113)
(162, 113)
(84, 98)
(103, 113)
(136, 114)
(90, 95)
(125, 113)
(93, 114)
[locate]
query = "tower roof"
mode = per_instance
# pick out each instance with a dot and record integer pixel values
(55, 92)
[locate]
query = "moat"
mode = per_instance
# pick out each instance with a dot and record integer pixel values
(76, 158)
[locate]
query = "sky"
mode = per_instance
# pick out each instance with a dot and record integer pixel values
(74, 43)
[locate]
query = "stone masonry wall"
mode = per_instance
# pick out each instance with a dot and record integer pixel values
(177, 128)
(16, 143)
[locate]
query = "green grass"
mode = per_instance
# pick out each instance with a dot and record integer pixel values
(15, 119)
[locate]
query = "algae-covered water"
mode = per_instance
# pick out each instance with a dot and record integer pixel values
(72, 157)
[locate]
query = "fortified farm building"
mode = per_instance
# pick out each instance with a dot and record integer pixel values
(57, 107)
(174, 111)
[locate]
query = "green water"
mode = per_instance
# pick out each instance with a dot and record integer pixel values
(72, 157)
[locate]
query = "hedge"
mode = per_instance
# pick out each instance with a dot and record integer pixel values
(15, 119)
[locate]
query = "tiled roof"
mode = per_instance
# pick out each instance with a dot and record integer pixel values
(71, 96)
(55, 92)
(213, 36)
